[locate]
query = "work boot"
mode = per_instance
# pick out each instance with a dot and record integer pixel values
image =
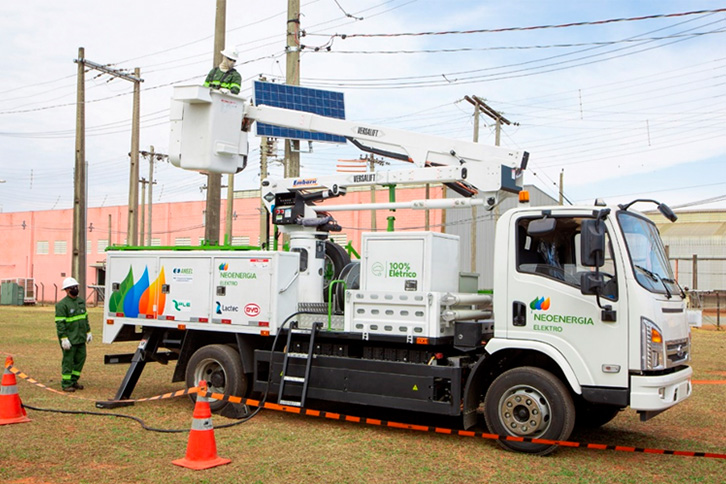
(77, 386)
(69, 389)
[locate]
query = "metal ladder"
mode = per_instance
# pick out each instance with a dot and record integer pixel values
(290, 354)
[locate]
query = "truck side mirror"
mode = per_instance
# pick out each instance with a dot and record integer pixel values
(591, 283)
(540, 227)
(592, 243)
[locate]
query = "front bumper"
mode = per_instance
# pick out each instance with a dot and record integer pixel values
(658, 393)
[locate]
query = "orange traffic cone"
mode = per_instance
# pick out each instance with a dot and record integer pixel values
(11, 410)
(201, 448)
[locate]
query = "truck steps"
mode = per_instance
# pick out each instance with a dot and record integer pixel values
(291, 385)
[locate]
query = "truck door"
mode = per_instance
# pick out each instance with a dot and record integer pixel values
(188, 288)
(243, 290)
(548, 306)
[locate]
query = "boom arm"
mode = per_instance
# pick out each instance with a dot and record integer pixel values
(205, 123)
(469, 168)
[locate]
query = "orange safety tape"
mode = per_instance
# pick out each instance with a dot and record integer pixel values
(385, 423)
(462, 433)
(32, 381)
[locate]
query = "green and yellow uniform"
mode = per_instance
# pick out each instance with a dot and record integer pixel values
(71, 321)
(218, 79)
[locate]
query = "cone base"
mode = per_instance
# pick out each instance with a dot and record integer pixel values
(199, 465)
(13, 420)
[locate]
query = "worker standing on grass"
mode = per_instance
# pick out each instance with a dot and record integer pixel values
(74, 332)
(225, 76)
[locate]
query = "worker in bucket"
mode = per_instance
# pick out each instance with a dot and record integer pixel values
(74, 332)
(225, 77)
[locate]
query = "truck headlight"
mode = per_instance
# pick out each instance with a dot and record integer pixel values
(652, 353)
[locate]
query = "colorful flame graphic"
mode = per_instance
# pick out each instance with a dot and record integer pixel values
(140, 298)
(223, 266)
(540, 304)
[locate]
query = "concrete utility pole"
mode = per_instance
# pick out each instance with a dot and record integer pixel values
(292, 77)
(134, 175)
(265, 151)
(562, 185)
(372, 162)
(481, 107)
(143, 210)
(152, 156)
(78, 251)
(78, 265)
(214, 180)
(474, 211)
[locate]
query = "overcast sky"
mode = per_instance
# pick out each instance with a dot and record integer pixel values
(627, 109)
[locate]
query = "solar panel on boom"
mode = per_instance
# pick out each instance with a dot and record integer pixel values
(316, 101)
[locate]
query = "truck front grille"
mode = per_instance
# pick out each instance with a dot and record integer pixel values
(678, 352)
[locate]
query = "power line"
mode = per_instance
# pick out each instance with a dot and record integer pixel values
(535, 27)
(521, 47)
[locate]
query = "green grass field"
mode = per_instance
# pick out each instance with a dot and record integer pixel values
(277, 447)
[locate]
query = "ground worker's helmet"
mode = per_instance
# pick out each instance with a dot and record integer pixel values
(69, 282)
(230, 53)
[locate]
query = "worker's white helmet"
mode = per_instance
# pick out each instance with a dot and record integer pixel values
(230, 53)
(69, 282)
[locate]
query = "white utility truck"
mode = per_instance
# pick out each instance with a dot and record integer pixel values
(585, 318)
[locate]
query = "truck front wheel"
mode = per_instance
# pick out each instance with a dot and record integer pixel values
(529, 402)
(221, 368)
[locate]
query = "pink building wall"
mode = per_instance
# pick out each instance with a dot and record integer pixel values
(39, 244)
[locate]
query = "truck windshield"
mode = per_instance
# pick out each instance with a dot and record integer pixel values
(647, 254)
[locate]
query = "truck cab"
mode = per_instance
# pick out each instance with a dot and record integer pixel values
(600, 307)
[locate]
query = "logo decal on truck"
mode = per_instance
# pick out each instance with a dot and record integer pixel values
(393, 269)
(140, 297)
(252, 310)
(182, 306)
(226, 274)
(223, 308)
(540, 304)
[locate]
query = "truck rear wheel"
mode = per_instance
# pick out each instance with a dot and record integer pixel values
(221, 368)
(529, 402)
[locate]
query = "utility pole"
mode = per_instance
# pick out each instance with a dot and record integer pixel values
(214, 180)
(474, 211)
(496, 116)
(265, 150)
(143, 210)
(481, 107)
(372, 167)
(153, 156)
(78, 265)
(134, 175)
(230, 209)
(562, 185)
(372, 162)
(292, 77)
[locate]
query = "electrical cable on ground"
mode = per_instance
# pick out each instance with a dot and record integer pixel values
(176, 431)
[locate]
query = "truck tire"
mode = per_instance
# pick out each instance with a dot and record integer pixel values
(221, 368)
(529, 402)
(595, 415)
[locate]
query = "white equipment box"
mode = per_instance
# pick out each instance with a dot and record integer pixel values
(206, 130)
(403, 277)
(409, 262)
(245, 292)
